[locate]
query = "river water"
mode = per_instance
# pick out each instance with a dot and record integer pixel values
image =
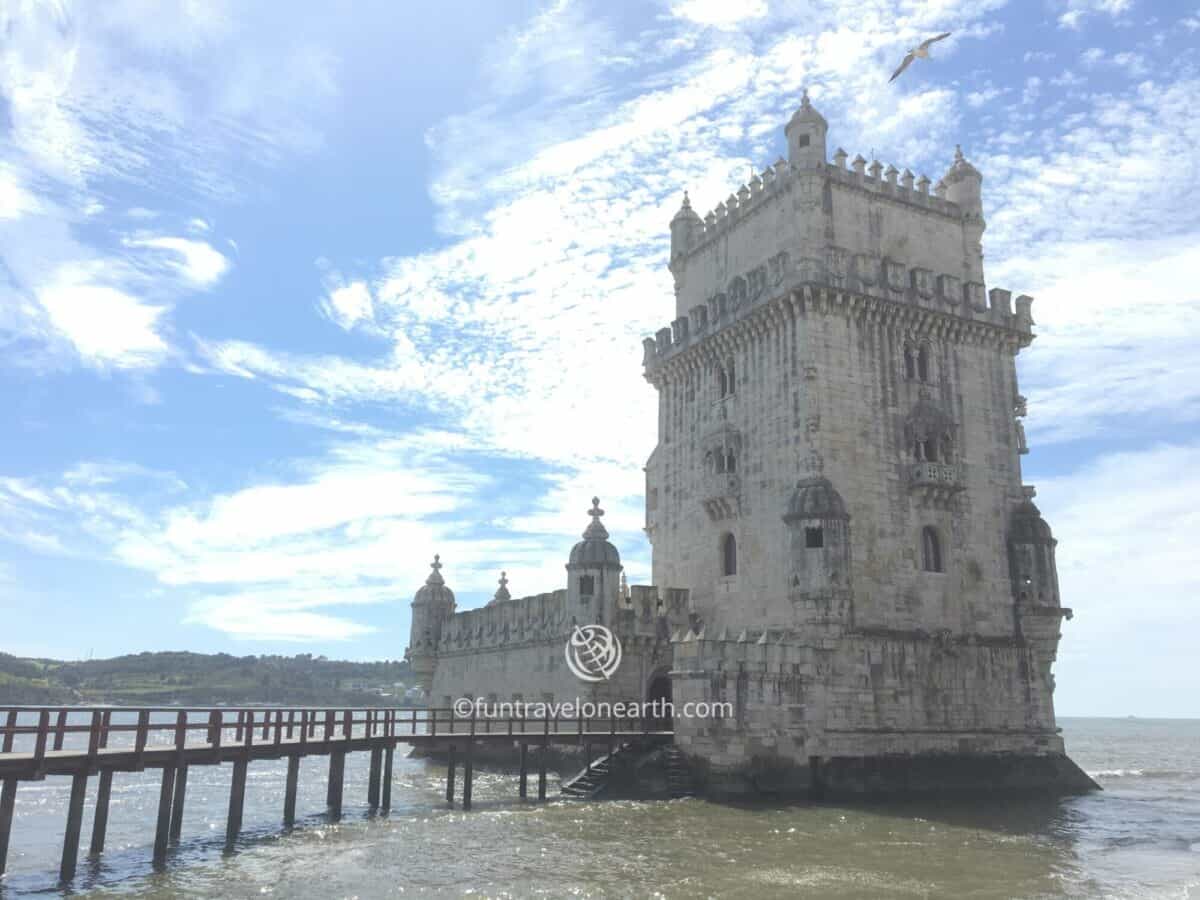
(1140, 837)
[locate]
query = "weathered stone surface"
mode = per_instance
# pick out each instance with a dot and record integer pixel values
(835, 497)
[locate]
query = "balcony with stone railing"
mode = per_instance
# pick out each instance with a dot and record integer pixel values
(936, 481)
(720, 494)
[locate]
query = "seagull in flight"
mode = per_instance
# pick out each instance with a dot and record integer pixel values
(921, 51)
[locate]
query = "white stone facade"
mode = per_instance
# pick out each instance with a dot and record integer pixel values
(835, 499)
(837, 479)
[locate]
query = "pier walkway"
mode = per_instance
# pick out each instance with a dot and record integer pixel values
(78, 742)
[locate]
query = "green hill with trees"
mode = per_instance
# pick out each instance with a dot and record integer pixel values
(160, 679)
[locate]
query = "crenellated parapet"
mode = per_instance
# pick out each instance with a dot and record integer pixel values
(915, 298)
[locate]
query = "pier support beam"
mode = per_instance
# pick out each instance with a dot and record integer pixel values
(450, 777)
(542, 773)
(289, 792)
(70, 854)
(468, 776)
(374, 777)
(524, 789)
(100, 819)
(166, 793)
(237, 801)
(386, 800)
(8, 797)
(181, 774)
(337, 775)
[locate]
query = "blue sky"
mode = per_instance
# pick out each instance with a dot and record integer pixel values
(291, 300)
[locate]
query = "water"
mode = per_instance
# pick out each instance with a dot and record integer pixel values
(1139, 838)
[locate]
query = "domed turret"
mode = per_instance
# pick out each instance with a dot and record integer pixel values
(594, 578)
(685, 227)
(595, 549)
(806, 132)
(432, 606)
(819, 544)
(1028, 526)
(815, 498)
(1031, 557)
(964, 184)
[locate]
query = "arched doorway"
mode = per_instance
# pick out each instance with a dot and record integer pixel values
(658, 695)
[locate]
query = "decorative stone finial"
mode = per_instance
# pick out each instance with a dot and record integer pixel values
(805, 103)
(502, 593)
(435, 577)
(958, 154)
(596, 530)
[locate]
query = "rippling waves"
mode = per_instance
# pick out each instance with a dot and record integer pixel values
(1139, 838)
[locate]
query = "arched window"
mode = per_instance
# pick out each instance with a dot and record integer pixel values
(929, 450)
(732, 379)
(923, 363)
(722, 383)
(946, 448)
(728, 555)
(730, 463)
(910, 362)
(720, 464)
(931, 550)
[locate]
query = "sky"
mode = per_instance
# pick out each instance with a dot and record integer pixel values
(294, 297)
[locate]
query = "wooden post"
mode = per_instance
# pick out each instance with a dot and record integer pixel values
(337, 773)
(181, 774)
(289, 794)
(468, 775)
(39, 744)
(524, 769)
(386, 801)
(139, 741)
(8, 797)
(374, 777)
(60, 729)
(542, 759)
(163, 827)
(70, 853)
(237, 800)
(10, 727)
(100, 820)
(450, 778)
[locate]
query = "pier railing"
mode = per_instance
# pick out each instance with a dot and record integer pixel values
(36, 742)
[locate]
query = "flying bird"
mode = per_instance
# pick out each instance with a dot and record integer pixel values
(921, 51)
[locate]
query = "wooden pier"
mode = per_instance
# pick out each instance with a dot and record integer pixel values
(79, 742)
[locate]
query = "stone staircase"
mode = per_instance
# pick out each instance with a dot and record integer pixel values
(679, 774)
(592, 781)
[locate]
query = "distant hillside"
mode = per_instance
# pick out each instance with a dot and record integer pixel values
(151, 679)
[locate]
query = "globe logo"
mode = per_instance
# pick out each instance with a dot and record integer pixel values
(593, 653)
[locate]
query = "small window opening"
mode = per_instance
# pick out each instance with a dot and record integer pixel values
(587, 585)
(728, 555)
(910, 362)
(814, 537)
(923, 363)
(931, 550)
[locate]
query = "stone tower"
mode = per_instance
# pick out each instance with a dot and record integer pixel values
(432, 607)
(837, 479)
